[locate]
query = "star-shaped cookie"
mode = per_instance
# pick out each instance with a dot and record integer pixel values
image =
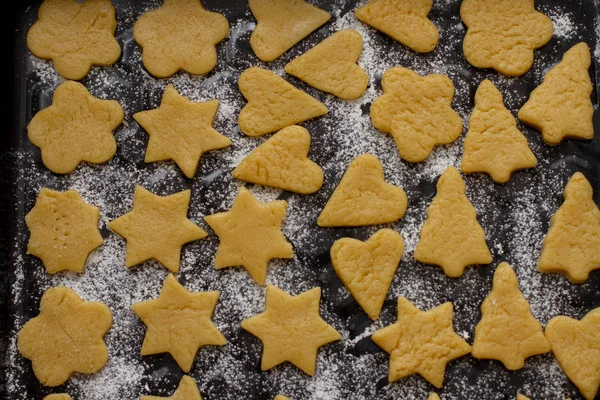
(181, 130)
(187, 390)
(179, 322)
(291, 329)
(421, 342)
(157, 227)
(58, 396)
(250, 234)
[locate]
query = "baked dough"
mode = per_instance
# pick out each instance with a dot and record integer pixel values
(280, 397)
(522, 397)
(433, 396)
(58, 396)
(187, 390)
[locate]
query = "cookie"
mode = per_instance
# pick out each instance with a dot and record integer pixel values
(451, 237)
(63, 230)
(291, 329)
(66, 337)
(576, 345)
(363, 197)
(273, 103)
(61, 396)
(181, 130)
(417, 111)
(433, 396)
(282, 24)
(282, 162)
(187, 390)
(494, 144)
(75, 35)
(502, 34)
(421, 342)
(331, 66)
(77, 127)
(403, 21)
(561, 107)
(367, 268)
(572, 244)
(507, 331)
(250, 234)
(179, 322)
(280, 397)
(522, 397)
(152, 219)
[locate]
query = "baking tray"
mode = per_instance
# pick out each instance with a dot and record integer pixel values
(515, 217)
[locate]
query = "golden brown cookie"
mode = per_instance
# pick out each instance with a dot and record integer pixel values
(280, 397)
(281, 24)
(58, 396)
(433, 396)
(75, 35)
(561, 107)
(180, 35)
(291, 329)
(63, 230)
(66, 337)
(421, 342)
(417, 111)
(494, 144)
(273, 103)
(572, 245)
(522, 397)
(187, 390)
(77, 127)
(363, 197)
(331, 66)
(367, 268)
(451, 237)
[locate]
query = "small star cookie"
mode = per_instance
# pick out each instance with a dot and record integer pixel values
(250, 234)
(58, 396)
(561, 107)
(181, 130)
(451, 237)
(273, 103)
(180, 35)
(77, 127)
(63, 230)
(493, 143)
(331, 66)
(576, 345)
(572, 245)
(522, 397)
(157, 227)
(507, 331)
(66, 337)
(281, 24)
(179, 322)
(502, 34)
(367, 268)
(282, 162)
(187, 390)
(363, 197)
(433, 396)
(75, 35)
(404, 21)
(280, 397)
(291, 329)
(421, 342)
(417, 111)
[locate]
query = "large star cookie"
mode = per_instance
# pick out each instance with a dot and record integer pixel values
(181, 130)
(180, 35)
(421, 342)
(576, 345)
(417, 111)
(451, 237)
(66, 337)
(367, 268)
(75, 35)
(282, 162)
(187, 390)
(502, 34)
(493, 143)
(179, 322)
(281, 24)
(157, 227)
(403, 21)
(76, 127)
(58, 396)
(63, 230)
(561, 107)
(572, 245)
(507, 331)
(331, 66)
(291, 329)
(363, 197)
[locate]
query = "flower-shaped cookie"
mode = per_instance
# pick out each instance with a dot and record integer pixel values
(180, 35)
